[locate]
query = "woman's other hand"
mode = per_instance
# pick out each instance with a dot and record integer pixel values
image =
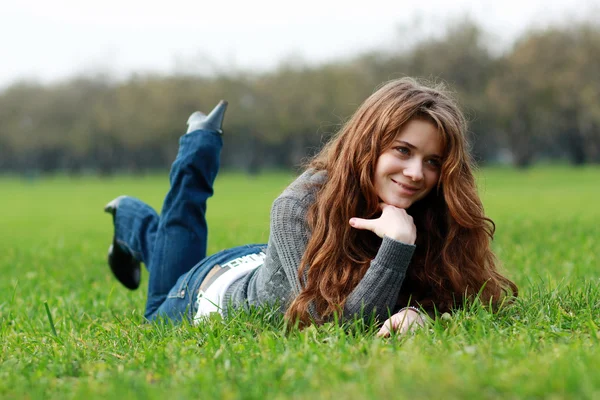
(402, 322)
(394, 223)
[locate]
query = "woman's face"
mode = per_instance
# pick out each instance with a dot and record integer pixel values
(407, 171)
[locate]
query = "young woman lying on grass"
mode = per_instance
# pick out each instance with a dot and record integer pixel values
(385, 221)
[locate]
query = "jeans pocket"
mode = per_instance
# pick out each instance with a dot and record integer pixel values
(180, 288)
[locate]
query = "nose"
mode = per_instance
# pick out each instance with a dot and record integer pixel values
(414, 170)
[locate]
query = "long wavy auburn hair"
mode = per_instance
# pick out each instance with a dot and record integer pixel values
(453, 262)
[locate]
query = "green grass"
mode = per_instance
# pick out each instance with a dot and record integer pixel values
(53, 241)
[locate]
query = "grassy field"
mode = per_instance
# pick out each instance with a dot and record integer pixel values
(53, 241)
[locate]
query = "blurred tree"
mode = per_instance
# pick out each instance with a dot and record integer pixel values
(547, 94)
(541, 98)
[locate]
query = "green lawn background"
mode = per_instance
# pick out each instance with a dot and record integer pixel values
(53, 242)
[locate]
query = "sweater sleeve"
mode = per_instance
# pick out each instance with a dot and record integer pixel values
(377, 291)
(289, 235)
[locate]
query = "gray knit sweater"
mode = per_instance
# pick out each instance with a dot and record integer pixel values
(276, 281)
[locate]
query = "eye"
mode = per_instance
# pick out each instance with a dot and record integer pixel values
(434, 163)
(403, 150)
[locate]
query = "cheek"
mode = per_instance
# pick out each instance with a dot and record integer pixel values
(382, 168)
(431, 179)
(389, 165)
(377, 182)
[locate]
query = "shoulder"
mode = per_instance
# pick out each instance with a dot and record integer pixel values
(304, 188)
(297, 198)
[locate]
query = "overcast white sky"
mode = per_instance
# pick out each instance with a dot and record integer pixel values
(52, 40)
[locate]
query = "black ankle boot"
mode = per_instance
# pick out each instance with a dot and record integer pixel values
(123, 265)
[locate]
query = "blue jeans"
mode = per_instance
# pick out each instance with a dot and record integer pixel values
(173, 246)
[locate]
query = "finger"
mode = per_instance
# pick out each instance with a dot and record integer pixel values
(385, 206)
(385, 330)
(365, 224)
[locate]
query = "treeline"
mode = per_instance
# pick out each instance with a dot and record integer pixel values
(539, 100)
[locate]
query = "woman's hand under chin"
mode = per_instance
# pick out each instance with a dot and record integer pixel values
(405, 320)
(393, 222)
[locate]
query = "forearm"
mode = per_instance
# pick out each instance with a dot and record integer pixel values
(379, 288)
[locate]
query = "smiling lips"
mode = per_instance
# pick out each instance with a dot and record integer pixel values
(406, 188)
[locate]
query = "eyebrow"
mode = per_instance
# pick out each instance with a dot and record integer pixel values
(412, 146)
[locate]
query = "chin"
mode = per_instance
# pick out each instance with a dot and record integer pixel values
(401, 203)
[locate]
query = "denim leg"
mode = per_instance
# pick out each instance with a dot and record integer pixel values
(136, 224)
(180, 303)
(181, 235)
